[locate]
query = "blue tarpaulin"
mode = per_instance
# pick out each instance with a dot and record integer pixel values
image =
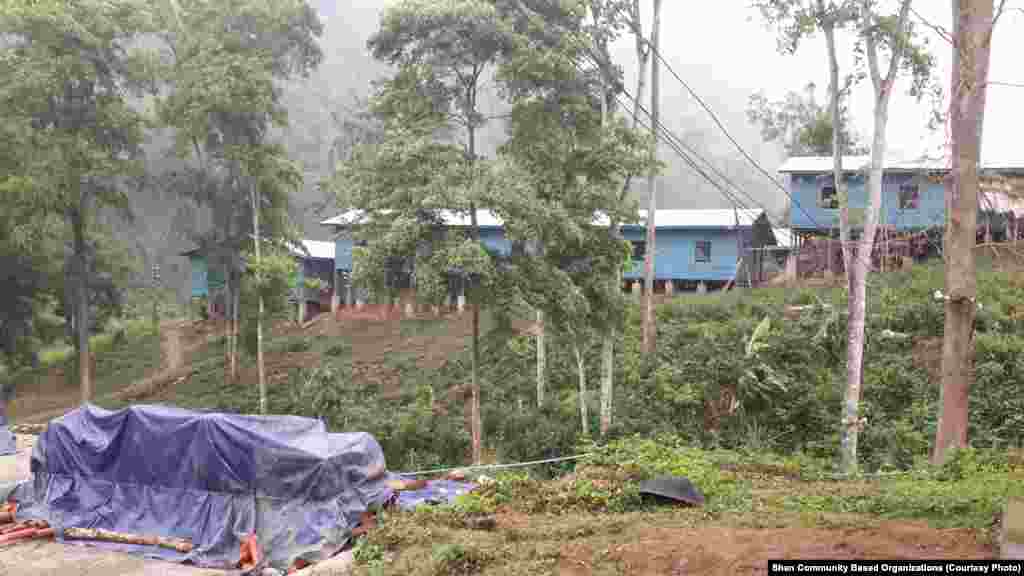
(435, 492)
(211, 478)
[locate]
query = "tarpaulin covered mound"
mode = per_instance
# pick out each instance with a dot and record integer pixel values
(211, 478)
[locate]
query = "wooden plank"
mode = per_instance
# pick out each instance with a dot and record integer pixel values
(99, 534)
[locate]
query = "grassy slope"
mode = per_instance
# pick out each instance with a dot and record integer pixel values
(54, 385)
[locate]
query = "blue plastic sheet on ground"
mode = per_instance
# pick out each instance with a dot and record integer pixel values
(211, 478)
(435, 492)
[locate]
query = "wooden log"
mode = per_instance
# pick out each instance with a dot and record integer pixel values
(179, 544)
(24, 533)
(14, 527)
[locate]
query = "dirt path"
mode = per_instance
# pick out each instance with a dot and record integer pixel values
(176, 344)
(721, 551)
(171, 348)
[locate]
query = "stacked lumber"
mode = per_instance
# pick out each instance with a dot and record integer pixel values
(12, 532)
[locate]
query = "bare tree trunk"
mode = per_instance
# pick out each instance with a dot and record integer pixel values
(476, 426)
(228, 375)
(608, 344)
(972, 34)
(541, 360)
(234, 296)
(608, 341)
(581, 372)
(649, 328)
(82, 301)
(607, 381)
(837, 146)
(861, 257)
(259, 310)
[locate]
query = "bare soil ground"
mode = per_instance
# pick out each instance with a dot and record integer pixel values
(724, 551)
(56, 393)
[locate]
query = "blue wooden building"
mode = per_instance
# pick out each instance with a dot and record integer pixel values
(316, 260)
(693, 246)
(913, 193)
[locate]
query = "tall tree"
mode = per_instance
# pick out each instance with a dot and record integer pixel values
(801, 124)
(445, 51)
(569, 157)
(973, 24)
(70, 71)
(796, 20)
(628, 14)
(224, 101)
(894, 33)
(875, 31)
(649, 328)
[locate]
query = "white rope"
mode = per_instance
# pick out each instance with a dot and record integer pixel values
(494, 466)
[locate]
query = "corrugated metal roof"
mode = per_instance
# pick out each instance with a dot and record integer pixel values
(821, 164)
(719, 218)
(485, 218)
(318, 249)
(715, 218)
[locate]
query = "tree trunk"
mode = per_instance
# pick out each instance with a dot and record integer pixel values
(234, 296)
(226, 323)
(607, 380)
(476, 426)
(649, 328)
(860, 259)
(581, 372)
(608, 340)
(608, 344)
(541, 360)
(259, 309)
(82, 302)
(837, 149)
(972, 22)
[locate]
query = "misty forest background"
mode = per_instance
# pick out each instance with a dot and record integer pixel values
(164, 226)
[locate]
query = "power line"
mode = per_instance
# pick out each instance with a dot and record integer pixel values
(676, 143)
(718, 122)
(668, 138)
(586, 52)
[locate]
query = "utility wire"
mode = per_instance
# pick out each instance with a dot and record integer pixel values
(718, 122)
(677, 144)
(582, 45)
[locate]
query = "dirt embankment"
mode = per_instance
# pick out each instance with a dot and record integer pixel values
(55, 396)
(723, 551)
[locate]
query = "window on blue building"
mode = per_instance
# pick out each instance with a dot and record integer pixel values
(910, 196)
(828, 198)
(703, 251)
(639, 249)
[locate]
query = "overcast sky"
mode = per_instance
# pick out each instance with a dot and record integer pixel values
(724, 52)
